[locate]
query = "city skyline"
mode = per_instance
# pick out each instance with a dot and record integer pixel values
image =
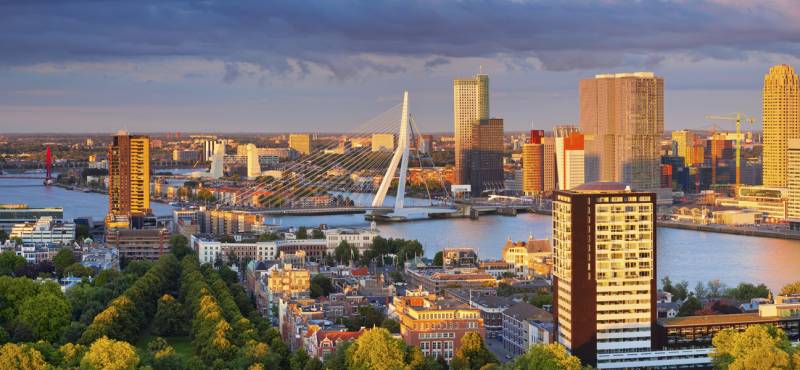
(260, 70)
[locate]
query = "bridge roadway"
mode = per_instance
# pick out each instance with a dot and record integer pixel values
(320, 211)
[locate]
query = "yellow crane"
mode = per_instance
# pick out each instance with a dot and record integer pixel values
(738, 117)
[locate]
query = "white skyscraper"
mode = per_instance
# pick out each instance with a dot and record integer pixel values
(253, 166)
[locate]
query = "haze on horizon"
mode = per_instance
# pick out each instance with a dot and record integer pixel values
(326, 66)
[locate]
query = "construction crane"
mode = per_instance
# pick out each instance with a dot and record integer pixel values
(738, 118)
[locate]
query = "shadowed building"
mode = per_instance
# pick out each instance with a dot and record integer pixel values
(624, 115)
(470, 105)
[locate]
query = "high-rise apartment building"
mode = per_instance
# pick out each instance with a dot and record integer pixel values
(210, 147)
(624, 115)
(684, 143)
(470, 105)
(604, 243)
(301, 143)
(569, 150)
(253, 164)
(781, 114)
(485, 156)
(793, 178)
(129, 175)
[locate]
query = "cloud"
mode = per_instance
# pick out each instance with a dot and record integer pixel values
(348, 38)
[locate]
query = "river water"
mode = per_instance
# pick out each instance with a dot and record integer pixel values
(682, 254)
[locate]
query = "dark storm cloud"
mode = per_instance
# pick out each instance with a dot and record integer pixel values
(340, 36)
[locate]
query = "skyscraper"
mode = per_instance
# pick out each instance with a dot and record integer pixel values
(624, 115)
(253, 165)
(301, 143)
(485, 156)
(470, 105)
(781, 112)
(129, 175)
(382, 142)
(684, 141)
(793, 178)
(569, 157)
(604, 270)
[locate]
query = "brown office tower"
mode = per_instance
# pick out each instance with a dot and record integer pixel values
(538, 164)
(470, 105)
(622, 115)
(486, 156)
(604, 270)
(129, 175)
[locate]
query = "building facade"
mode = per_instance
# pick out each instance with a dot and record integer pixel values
(624, 115)
(569, 153)
(435, 326)
(781, 115)
(143, 244)
(470, 105)
(382, 142)
(12, 214)
(45, 230)
(300, 143)
(516, 327)
(793, 179)
(486, 156)
(129, 174)
(288, 281)
(684, 145)
(604, 271)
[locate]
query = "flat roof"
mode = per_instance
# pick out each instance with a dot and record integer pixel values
(737, 318)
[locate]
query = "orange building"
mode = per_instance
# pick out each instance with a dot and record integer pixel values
(435, 325)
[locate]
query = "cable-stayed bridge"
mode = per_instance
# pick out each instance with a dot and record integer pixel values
(365, 171)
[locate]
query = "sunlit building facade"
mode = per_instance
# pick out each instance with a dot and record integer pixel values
(781, 115)
(470, 105)
(129, 175)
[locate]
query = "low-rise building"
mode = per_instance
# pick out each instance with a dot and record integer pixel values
(772, 203)
(12, 214)
(38, 252)
(518, 320)
(459, 257)
(533, 257)
(361, 239)
(435, 280)
(321, 343)
(498, 269)
(211, 248)
(46, 229)
(314, 249)
(436, 325)
(286, 280)
(139, 244)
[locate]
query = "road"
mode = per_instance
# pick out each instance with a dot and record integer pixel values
(495, 345)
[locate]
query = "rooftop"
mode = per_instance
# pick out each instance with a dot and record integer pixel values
(601, 186)
(716, 320)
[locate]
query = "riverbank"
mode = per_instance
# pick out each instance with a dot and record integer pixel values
(735, 230)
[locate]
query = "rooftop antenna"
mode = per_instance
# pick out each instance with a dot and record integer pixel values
(480, 69)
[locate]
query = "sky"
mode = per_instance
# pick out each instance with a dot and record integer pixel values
(328, 66)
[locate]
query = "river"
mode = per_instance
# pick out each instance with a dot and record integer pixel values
(682, 254)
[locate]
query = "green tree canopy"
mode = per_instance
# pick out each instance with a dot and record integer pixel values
(746, 291)
(758, 347)
(438, 259)
(473, 354)
(63, 259)
(46, 315)
(179, 246)
(109, 354)
(376, 349)
(545, 357)
(20, 356)
(10, 262)
(302, 233)
(321, 286)
(791, 288)
(169, 319)
(690, 306)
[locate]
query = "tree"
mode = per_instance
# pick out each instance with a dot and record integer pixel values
(376, 349)
(268, 237)
(700, 290)
(46, 315)
(169, 319)
(298, 359)
(746, 291)
(666, 284)
(438, 259)
(690, 306)
(179, 246)
(344, 252)
(716, 288)
(10, 262)
(321, 286)
(541, 299)
(20, 356)
(109, 354)
(545, 357)
(317, 234)
(78, 270)
(3, 236)
(302, 233)
(63, 259)
(791, 288)
(758, 347)
(473, 354)
(391, 325)
(681, 291)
